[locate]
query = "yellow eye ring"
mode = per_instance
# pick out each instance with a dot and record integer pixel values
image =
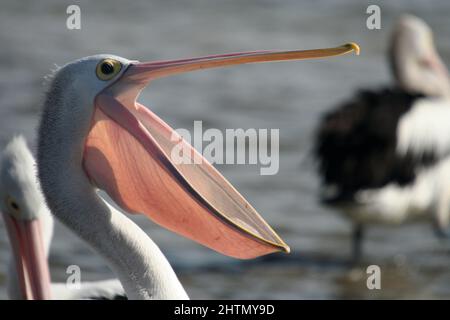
(107, 69)
(12, 205)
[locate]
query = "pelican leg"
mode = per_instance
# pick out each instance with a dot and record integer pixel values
(357, 239)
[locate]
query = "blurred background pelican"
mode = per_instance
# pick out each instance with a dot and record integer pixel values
(34, 37)
(383, 155)
(31, 231)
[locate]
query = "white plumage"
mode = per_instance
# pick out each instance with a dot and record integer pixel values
(425, 129)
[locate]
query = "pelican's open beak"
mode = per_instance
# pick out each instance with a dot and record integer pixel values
(128, 154)
(30, 259)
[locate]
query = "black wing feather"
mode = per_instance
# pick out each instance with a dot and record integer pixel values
(355, 144)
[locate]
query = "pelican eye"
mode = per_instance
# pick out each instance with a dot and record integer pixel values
(107, 69)
(12, 204)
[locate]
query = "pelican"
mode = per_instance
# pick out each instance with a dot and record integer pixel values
(30, 228)
(383, 156)
(94, 135)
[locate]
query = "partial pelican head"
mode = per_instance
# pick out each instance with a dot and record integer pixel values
(21, 203)
(415, 61)
(125, 149)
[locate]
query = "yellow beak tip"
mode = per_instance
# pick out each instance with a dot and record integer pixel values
(353, 46)
(286, 249)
